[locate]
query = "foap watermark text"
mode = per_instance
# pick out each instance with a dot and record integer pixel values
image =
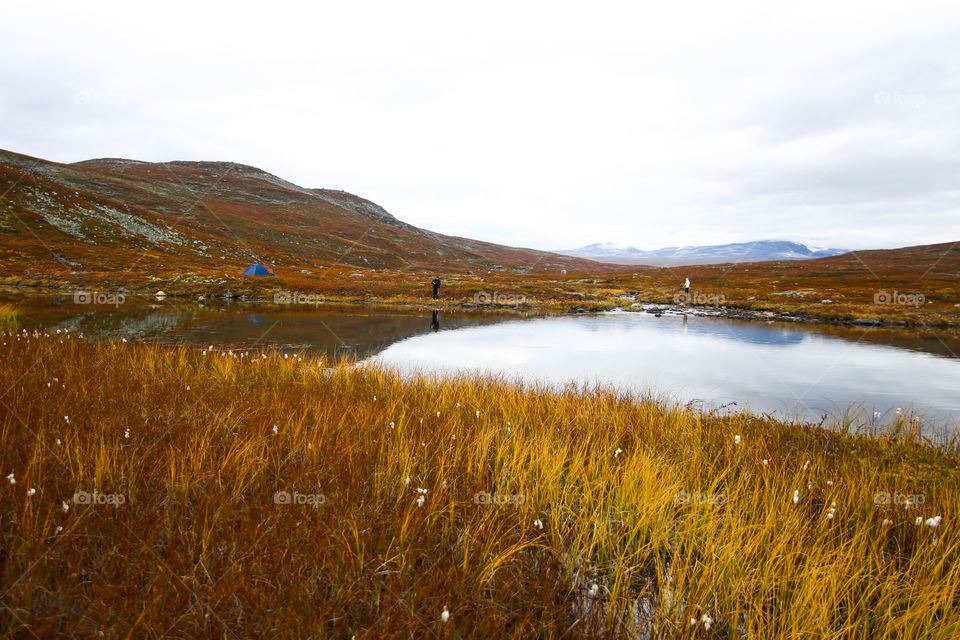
(97, 298)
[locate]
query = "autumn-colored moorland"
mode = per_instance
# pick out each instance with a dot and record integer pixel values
(191, 228)
(151, 491)
(169, 492)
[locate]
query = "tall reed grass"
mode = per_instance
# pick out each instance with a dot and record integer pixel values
(168, 492)
(9, 317)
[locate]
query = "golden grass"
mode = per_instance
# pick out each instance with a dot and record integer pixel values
(607, 516)
(9, 317)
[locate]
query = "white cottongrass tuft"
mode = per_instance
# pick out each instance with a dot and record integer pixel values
(736, 439)
(796, 496)
(538, 524)
(12, 479)
(445, 615)
(126, 434)
(933, 523)
(707, 622)
(766, 462)
(64, 507)
(594, 590)
(31, 491)
(617, 452)
(275, 430)
(420, 501)
(806, 464)
(406, 480)
(918, 521)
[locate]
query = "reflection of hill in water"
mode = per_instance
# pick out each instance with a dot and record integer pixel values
(935, 342)
(748, 332)
(363, 332)
(355, 332)
(345, 333)
(939, 343)
(735, 330)
(157, 322)
(100, 324)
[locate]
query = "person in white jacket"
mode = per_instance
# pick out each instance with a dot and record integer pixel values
(686, 286)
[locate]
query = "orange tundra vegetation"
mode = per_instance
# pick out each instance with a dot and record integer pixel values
(149, 491)
(191, 228)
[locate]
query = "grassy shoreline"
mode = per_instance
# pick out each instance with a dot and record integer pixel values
(523, 513)
(858, 318)
(911, 287)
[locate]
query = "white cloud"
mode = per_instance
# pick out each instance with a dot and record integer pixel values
(541, 124)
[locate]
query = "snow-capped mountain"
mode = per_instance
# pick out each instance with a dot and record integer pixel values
(606, 249)
(757, 251)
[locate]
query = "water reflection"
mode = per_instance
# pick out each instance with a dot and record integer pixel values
(780, 369)
(347, 331)
(792, 370)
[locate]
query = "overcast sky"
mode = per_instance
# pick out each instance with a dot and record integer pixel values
(549, 125)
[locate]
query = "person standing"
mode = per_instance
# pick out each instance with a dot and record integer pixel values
(436, 287)
(686, 286)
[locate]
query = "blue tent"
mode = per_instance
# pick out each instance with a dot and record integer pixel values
(257, 270)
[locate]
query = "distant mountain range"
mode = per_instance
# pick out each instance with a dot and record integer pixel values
(758, 251)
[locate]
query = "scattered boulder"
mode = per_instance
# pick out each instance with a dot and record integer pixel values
(73, 264)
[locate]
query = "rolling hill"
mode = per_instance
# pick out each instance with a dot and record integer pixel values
(126, 216)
